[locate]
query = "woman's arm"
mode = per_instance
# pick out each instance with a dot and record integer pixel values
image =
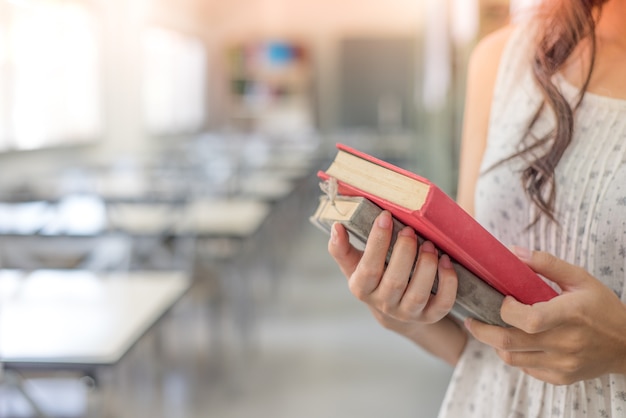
(481, 77)
(407, 306)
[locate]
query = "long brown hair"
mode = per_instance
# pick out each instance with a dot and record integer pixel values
(565, 23)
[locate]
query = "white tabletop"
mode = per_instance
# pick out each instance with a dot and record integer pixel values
(266, 186)
(144, 218)
(225, 217)
(216, 217)
(289, 173)
(78, 317)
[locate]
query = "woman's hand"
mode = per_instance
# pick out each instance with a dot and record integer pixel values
(578, 335)
(398, 303)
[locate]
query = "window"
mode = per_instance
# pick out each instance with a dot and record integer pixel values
(4, 87)
(175, 80)
(49, 75)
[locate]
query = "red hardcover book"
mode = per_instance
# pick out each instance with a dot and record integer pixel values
(419, 203)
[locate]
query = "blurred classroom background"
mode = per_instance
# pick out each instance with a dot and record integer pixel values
(157, 172)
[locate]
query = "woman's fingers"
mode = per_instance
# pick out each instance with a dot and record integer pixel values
(370, 269)
(441, 303)
(394, 283)
(401, 287)
(346, 256)
(417, 300)
(418, 292)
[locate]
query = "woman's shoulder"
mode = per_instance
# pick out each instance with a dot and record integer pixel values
(488, 52)
(481, 80)
(502, 59)
(485, 60)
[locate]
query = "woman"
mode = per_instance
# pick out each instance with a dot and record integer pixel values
(543, 167)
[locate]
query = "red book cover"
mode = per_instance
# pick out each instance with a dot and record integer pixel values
(458, 234)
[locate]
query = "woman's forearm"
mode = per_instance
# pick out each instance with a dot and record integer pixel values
(445, 339)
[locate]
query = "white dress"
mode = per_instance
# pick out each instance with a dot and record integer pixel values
(591, 209)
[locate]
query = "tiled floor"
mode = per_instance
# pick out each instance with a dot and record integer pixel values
(316, 353)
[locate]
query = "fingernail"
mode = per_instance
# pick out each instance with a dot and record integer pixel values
(333, 234)
(384, 220)
(468, 323)
(521, 252)
(407, 232)
(445, 262)
(428, 247)
(508, 299)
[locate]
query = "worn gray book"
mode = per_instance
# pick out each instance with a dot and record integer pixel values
(475, 298)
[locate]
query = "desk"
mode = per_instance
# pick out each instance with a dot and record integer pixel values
(144, 236)
(71, 320)
(55, 319)
(227, 253)
(267, 186)
(221, 224)
(144, 219)
(210, 217)
(236, 217)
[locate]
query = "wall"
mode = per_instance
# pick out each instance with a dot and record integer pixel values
(321, 24)
(218, 22)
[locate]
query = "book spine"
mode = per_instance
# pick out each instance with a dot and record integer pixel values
(483, 253)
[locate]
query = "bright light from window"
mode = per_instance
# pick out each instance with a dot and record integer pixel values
(437, 72)
(465, 21)
(523, 9)
(175, 72)
(4, 129)
(53, 63)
